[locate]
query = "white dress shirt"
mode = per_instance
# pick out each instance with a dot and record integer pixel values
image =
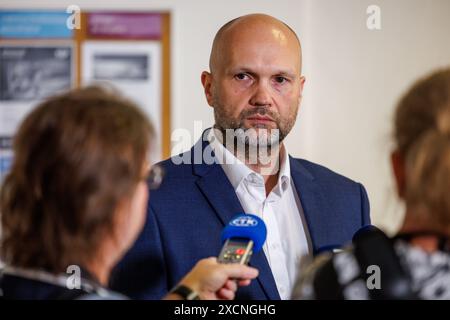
(287, 235)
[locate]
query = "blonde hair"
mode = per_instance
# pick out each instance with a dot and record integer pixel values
(422, 133)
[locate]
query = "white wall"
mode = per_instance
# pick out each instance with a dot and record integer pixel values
(354, 76)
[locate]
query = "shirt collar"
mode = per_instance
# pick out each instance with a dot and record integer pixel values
(237, 171)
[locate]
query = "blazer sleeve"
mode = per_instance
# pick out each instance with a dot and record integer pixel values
(141, 274)
(365, 206)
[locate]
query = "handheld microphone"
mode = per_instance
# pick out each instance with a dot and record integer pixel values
(244, 235)
(335, 248)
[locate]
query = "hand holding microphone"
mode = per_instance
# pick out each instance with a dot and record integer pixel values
(218, 278)
(213, 281)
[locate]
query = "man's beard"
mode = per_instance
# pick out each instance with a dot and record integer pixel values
(257, 140)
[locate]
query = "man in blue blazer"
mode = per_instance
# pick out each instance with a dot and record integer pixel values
(255, 87)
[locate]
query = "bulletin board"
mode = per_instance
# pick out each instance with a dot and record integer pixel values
(40, 56)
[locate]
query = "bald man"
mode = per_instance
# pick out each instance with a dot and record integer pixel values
(255, 87)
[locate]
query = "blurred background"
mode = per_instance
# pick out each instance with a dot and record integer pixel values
(354, 74)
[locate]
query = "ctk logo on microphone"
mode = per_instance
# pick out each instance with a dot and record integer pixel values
(244, 222)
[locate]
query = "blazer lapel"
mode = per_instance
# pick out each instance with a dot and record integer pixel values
(315, 206)
(219, 192)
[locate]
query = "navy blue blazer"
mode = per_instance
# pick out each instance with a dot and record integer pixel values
(187, 213)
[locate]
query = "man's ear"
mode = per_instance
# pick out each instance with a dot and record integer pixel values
(398, 168)
(302, 84)
(207, 80)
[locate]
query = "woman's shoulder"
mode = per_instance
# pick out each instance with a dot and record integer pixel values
(15, 286)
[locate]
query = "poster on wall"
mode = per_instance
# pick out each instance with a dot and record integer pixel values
(133, 68)
(29, 74)
(33, 73)
(6, 156)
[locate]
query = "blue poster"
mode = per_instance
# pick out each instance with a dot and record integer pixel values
(34, 24)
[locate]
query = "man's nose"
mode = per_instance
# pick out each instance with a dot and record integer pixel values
(261, 95)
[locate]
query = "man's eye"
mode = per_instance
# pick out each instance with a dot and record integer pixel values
(280, 79)
(241, 76)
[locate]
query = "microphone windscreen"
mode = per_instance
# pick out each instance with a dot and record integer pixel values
(246, 226)
(365, 231)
